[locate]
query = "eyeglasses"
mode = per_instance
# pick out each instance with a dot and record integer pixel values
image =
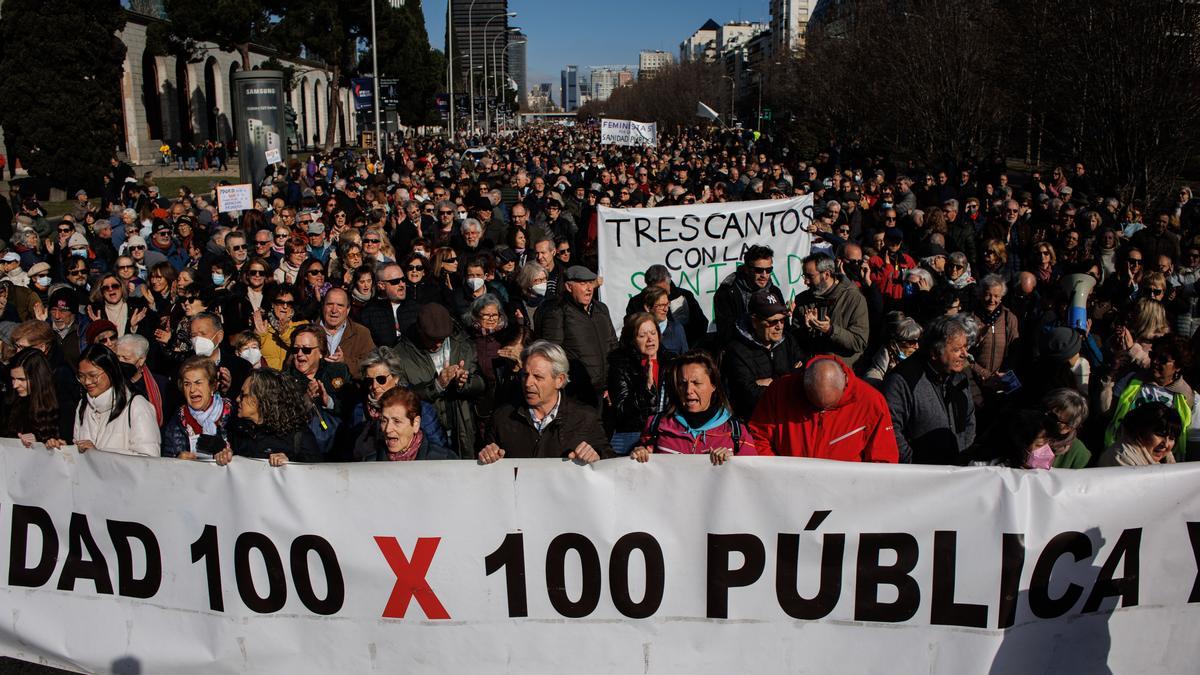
(92, 379)
(1134, 262)
(381, 379)
(762, 271)
(315, 273)
(281, 236)
(137, 248)
(774, 322)
(372, 240)
(445, 213)
(74, 273)
(110, 287)
(450, 260)
(239, 247)
(489, 315)
(256, 273)
(415, 268)
(262, 242)
(65, 230)
(285, 303)
(303, 350)
(392, 282)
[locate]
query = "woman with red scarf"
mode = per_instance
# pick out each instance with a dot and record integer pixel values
(400, 430)
(199, 428)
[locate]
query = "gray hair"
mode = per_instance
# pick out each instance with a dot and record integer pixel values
(551, 352)
(384, 356)
(528, 272)
(471, 223)
(384, 265)
(906, 329)
(139, 344)
(992, 281)
(824, 263)
(447, 204)
(1069, 401)
(960, 258)
(940, 330)
(485, 300)
(950, 205)
(209, 316)
(656, 274)
(921, 273)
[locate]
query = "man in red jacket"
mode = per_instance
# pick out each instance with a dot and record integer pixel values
(824, 411)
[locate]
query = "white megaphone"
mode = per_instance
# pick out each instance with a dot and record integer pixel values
(1078, 287)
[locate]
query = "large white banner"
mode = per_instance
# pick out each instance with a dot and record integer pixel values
(628, 132)
(701, 244)
(764, 565)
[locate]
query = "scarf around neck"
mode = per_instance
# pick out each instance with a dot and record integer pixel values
(409, 453)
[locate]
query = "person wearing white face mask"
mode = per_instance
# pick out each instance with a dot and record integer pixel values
(208, 340)
(248, 347)
(531, 280)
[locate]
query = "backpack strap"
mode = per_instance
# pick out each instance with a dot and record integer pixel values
(654, 424)
(736, 433)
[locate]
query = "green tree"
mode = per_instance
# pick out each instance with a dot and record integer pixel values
(329, 31)
(233, 25)
(404, 53)
(60, 83)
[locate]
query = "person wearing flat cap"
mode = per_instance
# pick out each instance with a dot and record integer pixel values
(582, 325)
(440, 365)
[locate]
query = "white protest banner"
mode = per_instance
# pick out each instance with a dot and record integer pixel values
(627, 132)
(701, 244)
(235, 197)
(273, 156)
(542, 566)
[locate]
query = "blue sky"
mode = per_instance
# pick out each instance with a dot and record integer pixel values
(608, 32)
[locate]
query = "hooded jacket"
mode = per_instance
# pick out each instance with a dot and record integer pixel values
(731, 303)
(856, 429)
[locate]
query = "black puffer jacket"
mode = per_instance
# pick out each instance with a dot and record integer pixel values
(587, 335)
(633, 401)
(257, 442)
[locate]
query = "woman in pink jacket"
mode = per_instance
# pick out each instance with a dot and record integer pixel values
(699, 420)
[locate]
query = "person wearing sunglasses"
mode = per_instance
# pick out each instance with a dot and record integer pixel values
(730, 305)
(381, 372)
(325, 383)
(274, 325)
(761, 351)
(110, 300)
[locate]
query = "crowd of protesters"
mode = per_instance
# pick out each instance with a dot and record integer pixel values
(440, 303)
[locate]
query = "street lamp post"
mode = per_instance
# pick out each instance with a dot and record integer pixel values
(471, 56)
(499, 85)
(732, 96)
(450, 62)
(486, 114)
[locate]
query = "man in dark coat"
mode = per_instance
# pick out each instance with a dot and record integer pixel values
(545, 423)
(732, 300)
(761, 352)
(440, 365)
(581, 324)
(391, 313)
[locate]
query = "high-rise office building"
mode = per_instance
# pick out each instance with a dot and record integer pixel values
(517, 68)
(569, 92)
(480, 27)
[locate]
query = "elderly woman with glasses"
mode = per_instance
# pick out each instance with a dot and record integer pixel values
(110, 300)
(274, 324)
(381, 372)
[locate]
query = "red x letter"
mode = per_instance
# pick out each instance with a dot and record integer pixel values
(410, 578)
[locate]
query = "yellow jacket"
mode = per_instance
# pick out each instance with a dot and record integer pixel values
(275, 344)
